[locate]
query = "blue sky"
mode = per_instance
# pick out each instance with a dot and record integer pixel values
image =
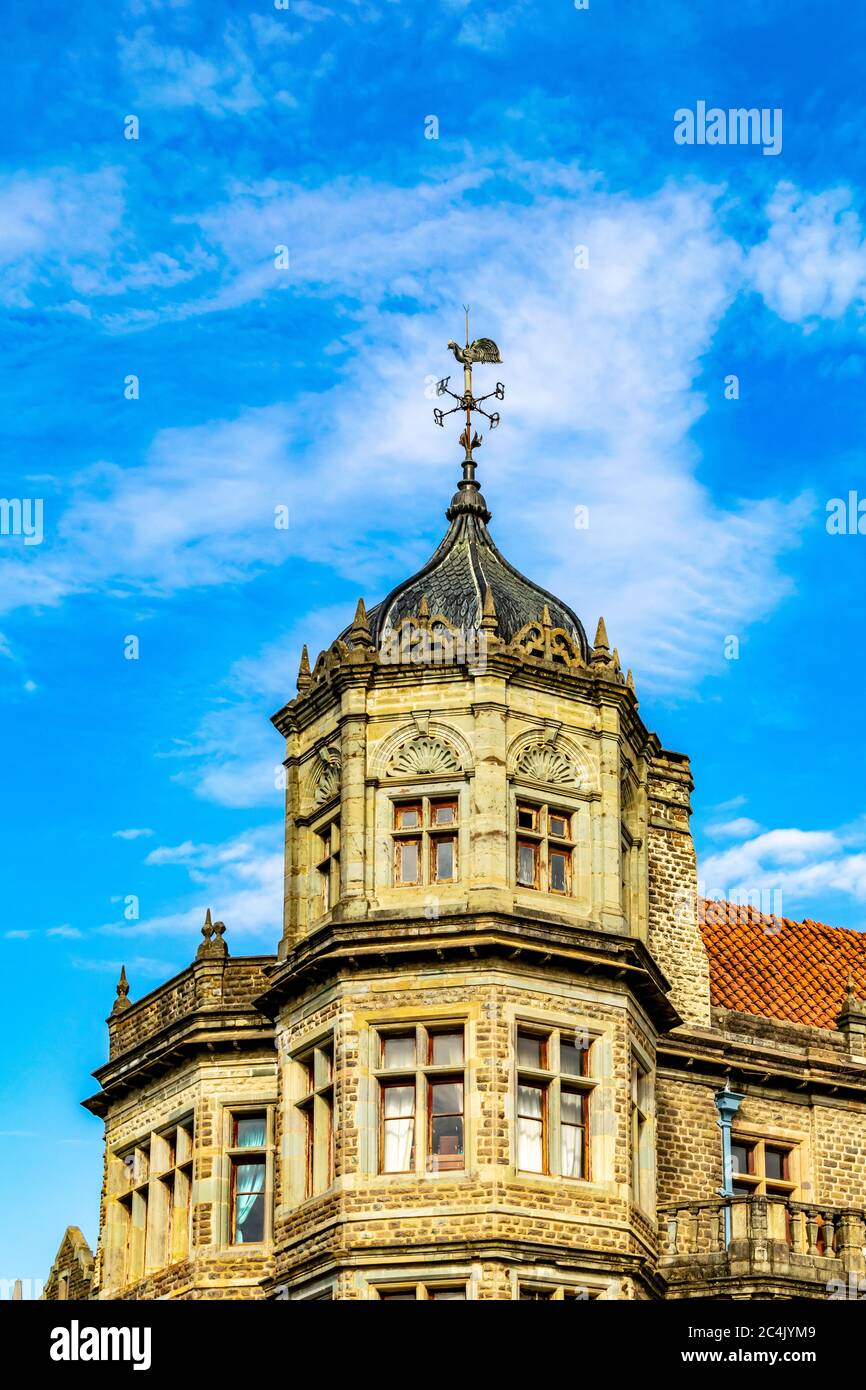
(308, 387)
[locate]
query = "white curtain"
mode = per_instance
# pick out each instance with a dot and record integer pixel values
(572, 1151)
(399, 1128)
(530, 1129)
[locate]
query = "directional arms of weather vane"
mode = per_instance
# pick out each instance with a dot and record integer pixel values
(481, 350)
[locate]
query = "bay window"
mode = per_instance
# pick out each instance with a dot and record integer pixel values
(552, 1102)
(420, 1072)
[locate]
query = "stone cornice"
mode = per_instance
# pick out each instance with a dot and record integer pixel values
(784, 1063)
(386, 941)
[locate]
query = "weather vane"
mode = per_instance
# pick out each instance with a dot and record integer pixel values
(482, 350)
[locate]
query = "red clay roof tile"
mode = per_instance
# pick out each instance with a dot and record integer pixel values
(772, 966)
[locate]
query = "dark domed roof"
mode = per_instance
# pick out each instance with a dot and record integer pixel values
(454, 582)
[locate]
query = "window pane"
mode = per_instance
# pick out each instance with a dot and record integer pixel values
(446, 1142)
(572, 1057)
(572, 1114)
(408, 858)
(249, 1218)
(775, 1163)
(444, 812)
(407, 817)
(447, 1293)
(398, 1050)
(397, 1297)
(398, 1147)
(527, 817)
(527, 857)
(740, 1158)
(443, 859)
(531, 1051)
(446, 1049)
(572, 1107)
(249, 1177)
(306, 1065)
(558, 824)
(530, 1146)
(530, 1102)
(558, 873)
(249, 1131)
(446, 1098)
(530, 1129)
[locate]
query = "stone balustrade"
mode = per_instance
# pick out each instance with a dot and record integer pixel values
(772, 1237)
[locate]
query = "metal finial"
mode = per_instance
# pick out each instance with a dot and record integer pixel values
(482, 350)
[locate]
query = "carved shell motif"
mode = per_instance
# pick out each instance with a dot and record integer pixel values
(329, 778)
(544, 764)
(424, 756)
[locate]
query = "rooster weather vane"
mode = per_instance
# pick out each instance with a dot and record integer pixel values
(482, 350)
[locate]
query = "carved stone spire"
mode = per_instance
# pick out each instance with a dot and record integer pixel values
(359, 633)
(305, 679)
(601, 648)
(489, 620)
(213, 944)
(122, 1000)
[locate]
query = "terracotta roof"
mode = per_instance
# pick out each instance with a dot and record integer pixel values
(778, 968)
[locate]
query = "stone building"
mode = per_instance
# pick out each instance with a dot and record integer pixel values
(502, 1050)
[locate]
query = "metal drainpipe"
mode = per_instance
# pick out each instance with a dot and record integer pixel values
(727, 1103)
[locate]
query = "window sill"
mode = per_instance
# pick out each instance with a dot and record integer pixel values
(588, 1186)
(440, 1175)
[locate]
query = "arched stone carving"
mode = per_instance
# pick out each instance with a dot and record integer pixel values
(424, 756)
(324, 777)
(545, 755)
(423, 747)
(545, 764)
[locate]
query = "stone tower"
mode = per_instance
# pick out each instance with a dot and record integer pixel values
(490, 918)
(482, 1063)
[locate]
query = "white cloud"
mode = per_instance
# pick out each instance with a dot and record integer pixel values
(147, 966)
(601, 368)
(169, 75)
(131, 834)
(801, 865)
(736, 829)
(67, 932)
(812, 264)
(241, 880)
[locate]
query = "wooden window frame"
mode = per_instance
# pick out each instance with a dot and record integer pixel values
(423, 1074)
(427, 833)
(158, 1227)
(423, 1292)
(640, 1125)
(756, 1180)
(530, 1291)
(315, 1063)
(235, 1155)
(553, 1081)
(328, 866)
(544, 843)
